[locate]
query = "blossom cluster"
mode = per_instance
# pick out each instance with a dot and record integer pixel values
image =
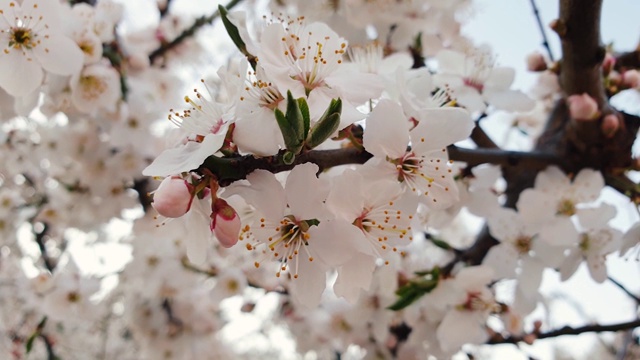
(305, 186)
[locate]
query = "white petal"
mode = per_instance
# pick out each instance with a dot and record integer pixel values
(552, 180)
(588, 184)
(307, 289)
(596, 218)
(198, 232)
(559, 232)
(439, 128)
(469, 98)
(530, 277)
(355, 86)
(263, 142)
(461, 327)
(501, 78)
(346, 198)
(59, 55)
(570, 264)
(265, 194)
(597, 268)
(503, 259)
(306, 193)
(355, 276)
(19, 76)
(510, 100)
(336, 241)
(536, 206)
(184, 158)
(450, 61)
(387, 131)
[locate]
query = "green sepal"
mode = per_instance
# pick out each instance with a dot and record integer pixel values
(415, 289)
(440, 243)
(232, 30)
(290, 136)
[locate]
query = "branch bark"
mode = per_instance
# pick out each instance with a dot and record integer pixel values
(567, 330)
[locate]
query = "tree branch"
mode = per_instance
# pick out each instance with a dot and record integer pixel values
(625, 290)
(49, 263)
(189, 32)
(567, 330)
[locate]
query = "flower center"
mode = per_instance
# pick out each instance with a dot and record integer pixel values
(92, 87)
(523, 244)
(566, 207)
(22, 37)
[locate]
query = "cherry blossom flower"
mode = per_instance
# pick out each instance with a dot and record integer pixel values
(95, 87)
(173, 197)
(597, 239)
(554, 199)
(294, 229)
(475, 81)
(308, 61)
(424, 169)
(33, 41)
(464, 323)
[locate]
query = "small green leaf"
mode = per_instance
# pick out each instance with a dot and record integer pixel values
(294, 116)
(289, 135)
(440, 243)
(29, 344)
(304, 109)
(323, 130)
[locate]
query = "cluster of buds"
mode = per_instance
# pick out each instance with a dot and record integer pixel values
(174, 197)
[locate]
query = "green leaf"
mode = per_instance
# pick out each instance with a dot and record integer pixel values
(440, 243)
(294, 116)
(290, 136)
(304, 109)
(323, 130)
(29, 344)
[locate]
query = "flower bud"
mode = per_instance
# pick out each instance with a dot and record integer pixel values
(610, 124)
(583, 107)
(536, 62)
(631, 78)
(608, 63)
(225, 223)
(173, 197)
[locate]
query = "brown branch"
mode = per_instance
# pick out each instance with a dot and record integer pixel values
(189, 32)
(228, 170)
(567, 330)
(49, 263)
(625, 290)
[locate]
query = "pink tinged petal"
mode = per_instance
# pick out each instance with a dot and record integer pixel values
(355, 86)
(19, 76)
(570, 264)
(267, 141)
(59, 55)
(439, 128)
(530, 277)
(307, 289)
(505, 225)
(630, 239)
(536, 206)
(450, 61)
(387, 131)
(503, 259)
(265, 194)
(597, 268)
(337, 241)
(461, 327)
(553, 181)
(198, 233)
(509, 100)
(596, 218)
(587, 185)
(469, 98)
(346, 198)
(306, 193)
(225, 223)
(354, 277)
(501, 78)
(474, 278)
(559, 232)
(184, 158)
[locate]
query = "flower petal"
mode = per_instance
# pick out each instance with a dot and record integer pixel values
(19, 76)
(439, 128)
(387, 131)
(185, 158)
(59, 55)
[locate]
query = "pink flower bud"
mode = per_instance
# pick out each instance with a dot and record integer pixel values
(631, 78)
(583, 107)
(225, 223)
(610, 125)
(173, 197)
(608, 64)
(536, 62)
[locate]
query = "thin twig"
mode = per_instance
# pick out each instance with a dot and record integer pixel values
(567, 330)
(545, 41)
(625, 290)
(189, 32)
(49, 263)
